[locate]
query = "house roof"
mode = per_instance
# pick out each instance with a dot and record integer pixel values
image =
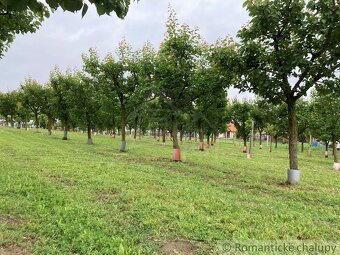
(231, 127)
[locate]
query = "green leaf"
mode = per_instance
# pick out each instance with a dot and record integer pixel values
(100, 9)
(120, 9)
(72, 5)
(38, 7)
(53, 3)
(85, 8)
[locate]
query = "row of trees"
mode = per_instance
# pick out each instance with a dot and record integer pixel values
(180, 81)
(287, 48)
(317, 117)
(76, 103)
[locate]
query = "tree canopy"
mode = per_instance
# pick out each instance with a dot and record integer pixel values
(33, 95)
(17, 22)
(326, 118)
(22, 16)
(287, 48)
(120, 7)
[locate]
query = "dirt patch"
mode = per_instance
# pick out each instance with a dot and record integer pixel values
(162, 159)
(9, 220)
(13, 250)
(107, 196)
(63, 181)
(33, 238)
(283, 185)
(177, 247)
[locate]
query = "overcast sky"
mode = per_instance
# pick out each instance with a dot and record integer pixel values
(64, 36)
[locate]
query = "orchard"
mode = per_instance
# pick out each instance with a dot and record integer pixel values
(146, 134)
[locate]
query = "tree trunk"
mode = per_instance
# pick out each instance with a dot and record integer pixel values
(163, 135)
(190, 134)
(260, 140)
(275, 142)
(271, 144)
(302, 146)
(89, 135)
(36, 121)
(326, 150)
(334, 149)
(174, 132)
(158, 134)
(208, 140)
(65, 132)
(140, 131)
(201, 136)
(49, 127)
(244, 145)
(251, 143)
(122, 147)
(181, 136)
(135, 128)
(292, 122)
(176, 149)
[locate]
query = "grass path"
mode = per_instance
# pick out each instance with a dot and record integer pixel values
(66, 197)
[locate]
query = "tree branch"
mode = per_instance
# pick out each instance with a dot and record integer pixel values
(314, 57)
(316, 78)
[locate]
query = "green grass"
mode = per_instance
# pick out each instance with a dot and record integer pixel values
(66, 197)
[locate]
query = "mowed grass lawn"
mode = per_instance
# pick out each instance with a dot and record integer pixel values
(67, 197)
